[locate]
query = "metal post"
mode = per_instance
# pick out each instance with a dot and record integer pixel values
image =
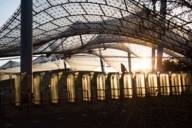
(64, 64)
(26, 49)
(153, 60)
(101, 61)
(159, 57)
(129, 62)
(163, 11)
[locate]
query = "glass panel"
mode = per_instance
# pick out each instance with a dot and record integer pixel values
(186, 82)
(92, 8)
(77, 0)
(17, 90)
(152, 84)
(40, 5)
(111, 12)
(140, 85)
(86, 87)
(74, 8)
(115, 88)
(176, 83)
(97, 1)
(62, 22)
(127, 81)
(54, 89)
(42, 18)
(37, 32)
(116, 3)
(57, 12)
(36, 89)
(48, 27)
(164, 84)
(101, 87)
(71, 88)
(56, 2)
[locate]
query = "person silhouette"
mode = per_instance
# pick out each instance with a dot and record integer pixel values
(123, 68)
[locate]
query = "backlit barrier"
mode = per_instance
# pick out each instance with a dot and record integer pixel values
(140, 84)
(164, 84)
(186, 82)
(86, 87)
(101, 83)
(152, 84)
(55, 87)
(115, 87)
(128, 85)
(71, 88)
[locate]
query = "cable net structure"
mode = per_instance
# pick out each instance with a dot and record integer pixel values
(69, 27)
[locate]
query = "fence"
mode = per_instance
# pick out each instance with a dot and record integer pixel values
(63, 87)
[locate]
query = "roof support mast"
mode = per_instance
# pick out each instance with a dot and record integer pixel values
(153, 48)
(26, 50)
(129, 62)
(101, 61)
(163, 11)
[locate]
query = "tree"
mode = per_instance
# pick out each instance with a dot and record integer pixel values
(175, 65)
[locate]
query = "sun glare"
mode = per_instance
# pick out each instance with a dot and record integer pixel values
(141, 65)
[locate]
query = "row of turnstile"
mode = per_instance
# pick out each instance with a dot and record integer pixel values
(60, 86)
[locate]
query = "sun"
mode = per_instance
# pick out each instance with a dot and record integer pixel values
(141, 65)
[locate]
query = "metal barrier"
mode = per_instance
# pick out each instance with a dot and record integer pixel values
(164, 84)
(128, 85)
(55, 87)
(86, 87)
(176, 84)
(101, 81)
(186, 82)
(10, 90)
(36, 98)
(140, 84)
(17, 89)
(152, 84)
(45, 87)
(115, 86)
(71, 88)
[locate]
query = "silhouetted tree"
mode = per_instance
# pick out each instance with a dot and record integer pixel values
(175, 65)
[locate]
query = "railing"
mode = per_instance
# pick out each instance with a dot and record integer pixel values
(64, 87)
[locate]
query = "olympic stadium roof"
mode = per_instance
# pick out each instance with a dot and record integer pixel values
(75, 26)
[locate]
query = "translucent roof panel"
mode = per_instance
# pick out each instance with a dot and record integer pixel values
(122, 20)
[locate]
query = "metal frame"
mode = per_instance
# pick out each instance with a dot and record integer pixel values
(71, 22)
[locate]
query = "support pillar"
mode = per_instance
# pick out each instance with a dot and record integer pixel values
(64, 64)
(159, 58)
(129, 62)
(26, 50)
(153, 60)
(101, 61)
(163, 11)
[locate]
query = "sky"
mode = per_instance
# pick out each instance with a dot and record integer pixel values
(7, 8)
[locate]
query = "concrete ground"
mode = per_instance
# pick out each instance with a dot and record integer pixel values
(155, 112)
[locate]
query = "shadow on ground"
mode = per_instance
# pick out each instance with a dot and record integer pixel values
(155, 112)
